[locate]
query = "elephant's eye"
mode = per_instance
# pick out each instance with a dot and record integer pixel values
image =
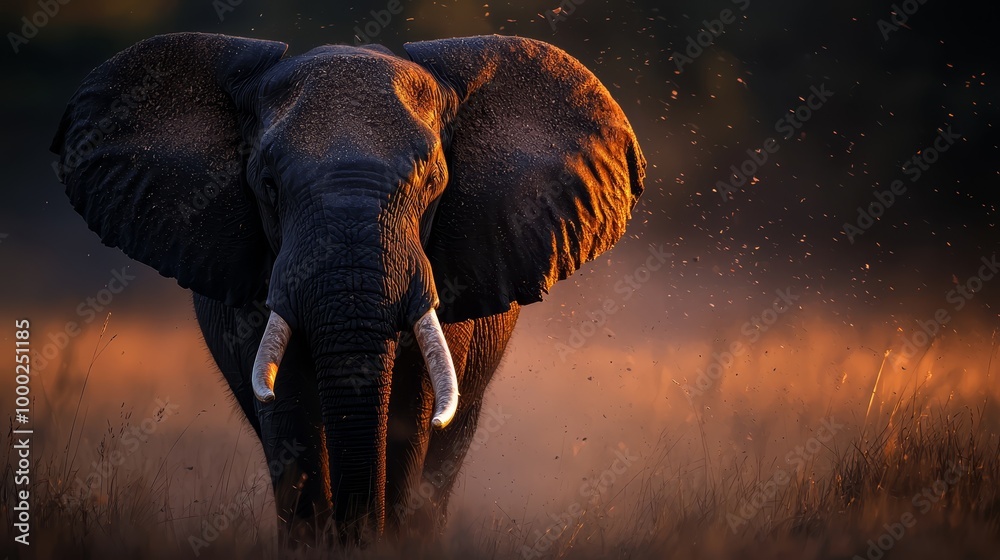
(435, 177)
(270, 189)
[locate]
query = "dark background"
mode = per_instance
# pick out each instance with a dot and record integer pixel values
(890, 99)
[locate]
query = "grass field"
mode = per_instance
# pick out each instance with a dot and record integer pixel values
(905, 465)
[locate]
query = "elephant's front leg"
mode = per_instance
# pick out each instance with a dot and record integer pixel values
(292, 438)
(448, 448)
(287, 427)
(411, 401)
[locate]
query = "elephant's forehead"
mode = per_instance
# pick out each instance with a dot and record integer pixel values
(338, 98)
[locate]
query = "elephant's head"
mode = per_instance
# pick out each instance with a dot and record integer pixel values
(345, 185)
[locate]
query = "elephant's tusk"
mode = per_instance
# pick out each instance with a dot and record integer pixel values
(434, 347)
(272, 348)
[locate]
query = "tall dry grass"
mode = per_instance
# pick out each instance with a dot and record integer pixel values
(912, 474)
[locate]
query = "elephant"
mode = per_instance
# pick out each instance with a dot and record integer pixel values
(359, 230)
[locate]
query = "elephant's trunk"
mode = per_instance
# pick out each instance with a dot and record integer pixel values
(349, 295)
(354, 388)
(353, 379)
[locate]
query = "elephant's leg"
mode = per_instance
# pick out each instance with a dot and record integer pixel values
(288, 427)
(293, 442)
(411, 403)
(449, 447)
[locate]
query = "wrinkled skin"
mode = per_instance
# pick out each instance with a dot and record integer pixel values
(349, 191)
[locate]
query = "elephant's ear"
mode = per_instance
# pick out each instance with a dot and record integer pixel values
(544, 170)
(151, 150)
